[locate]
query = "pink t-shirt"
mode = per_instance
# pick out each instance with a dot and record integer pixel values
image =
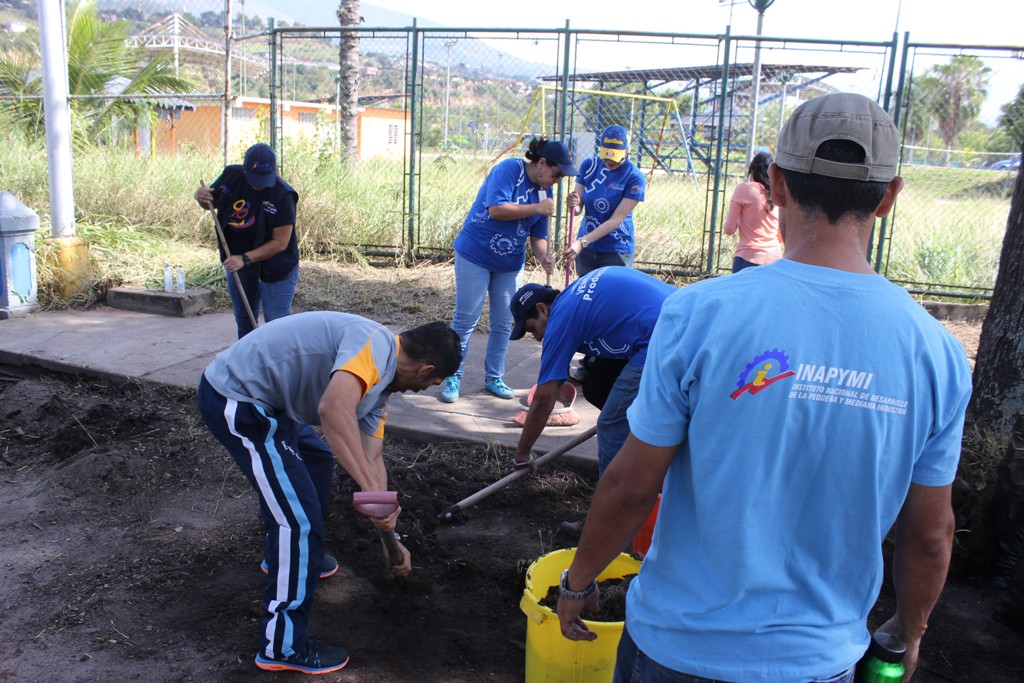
(760, 240)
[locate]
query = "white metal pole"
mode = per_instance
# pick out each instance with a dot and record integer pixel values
(755, 94)
(57, 112)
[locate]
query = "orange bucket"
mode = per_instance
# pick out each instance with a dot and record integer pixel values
(642, 541)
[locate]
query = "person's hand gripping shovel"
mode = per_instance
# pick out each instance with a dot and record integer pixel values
(227, 253)
(377, 504)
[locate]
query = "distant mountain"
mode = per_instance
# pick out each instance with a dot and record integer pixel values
(468, 56)
(321, 13)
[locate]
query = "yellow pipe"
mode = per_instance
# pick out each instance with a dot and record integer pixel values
(75, 264)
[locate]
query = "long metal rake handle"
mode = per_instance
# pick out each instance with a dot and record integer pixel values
(517, 474)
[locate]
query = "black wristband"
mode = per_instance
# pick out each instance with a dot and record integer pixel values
(245, 260)
(566, 594)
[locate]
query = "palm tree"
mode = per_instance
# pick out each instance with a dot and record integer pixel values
(1012, 118)
(348, 73)
(919, 114)
(962, 87)
(109, 79)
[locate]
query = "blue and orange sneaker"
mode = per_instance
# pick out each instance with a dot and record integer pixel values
(328, 568)
(313, 657)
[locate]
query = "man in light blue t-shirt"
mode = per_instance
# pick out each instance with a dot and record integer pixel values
(798, 412)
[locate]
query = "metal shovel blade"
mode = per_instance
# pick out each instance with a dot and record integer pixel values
(381, 504)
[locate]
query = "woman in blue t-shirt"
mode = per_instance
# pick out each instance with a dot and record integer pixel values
(608, 188)
(511, 208)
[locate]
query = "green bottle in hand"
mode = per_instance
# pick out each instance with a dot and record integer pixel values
(883, 662)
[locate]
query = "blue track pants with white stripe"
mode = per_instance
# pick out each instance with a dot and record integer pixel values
(290, 467)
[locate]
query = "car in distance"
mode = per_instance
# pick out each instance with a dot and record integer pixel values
(1006, 165)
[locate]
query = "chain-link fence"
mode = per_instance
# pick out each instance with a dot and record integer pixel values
(959, 161)
(426, 112)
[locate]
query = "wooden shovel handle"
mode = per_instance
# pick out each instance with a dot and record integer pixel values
(391, 543)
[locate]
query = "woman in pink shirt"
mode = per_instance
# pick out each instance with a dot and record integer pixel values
(752, 213)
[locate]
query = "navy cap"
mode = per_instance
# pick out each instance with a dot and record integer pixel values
(523, 303)
(260, 165)
(557, 154)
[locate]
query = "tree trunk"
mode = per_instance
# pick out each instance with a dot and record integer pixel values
(999, 369)
(348, 86)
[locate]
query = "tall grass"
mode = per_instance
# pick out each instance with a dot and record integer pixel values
(948, 226)
(138, 213)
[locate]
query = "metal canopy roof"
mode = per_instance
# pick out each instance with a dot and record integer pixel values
(710, 72)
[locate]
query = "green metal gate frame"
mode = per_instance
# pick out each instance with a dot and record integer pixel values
(411, 249)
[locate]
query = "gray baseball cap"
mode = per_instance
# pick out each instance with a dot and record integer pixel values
(840, 116)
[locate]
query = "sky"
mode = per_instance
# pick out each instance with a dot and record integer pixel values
(984, 22)
(946, 22)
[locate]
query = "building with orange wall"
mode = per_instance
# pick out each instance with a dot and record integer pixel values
(381, 132)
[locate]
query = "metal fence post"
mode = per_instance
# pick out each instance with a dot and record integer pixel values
(413, 123)
(563, 117)
(883, 227)
(717, 191)
(274, 96)
(227, 80)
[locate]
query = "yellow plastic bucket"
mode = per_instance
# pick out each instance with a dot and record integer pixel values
(552, 658)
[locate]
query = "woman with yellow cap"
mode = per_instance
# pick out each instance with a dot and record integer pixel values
(608, 187)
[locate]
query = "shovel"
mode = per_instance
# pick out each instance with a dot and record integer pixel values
(227, 252)
(448, 513)
(382, 504)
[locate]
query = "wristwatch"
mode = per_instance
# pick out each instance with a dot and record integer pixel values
(584, 241)
(245, 260)
(566, 594)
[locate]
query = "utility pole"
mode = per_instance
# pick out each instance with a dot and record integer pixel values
(760, 6)
(72, 251)
(447, 87)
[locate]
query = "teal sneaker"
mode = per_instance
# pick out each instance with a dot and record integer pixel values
(497, 387)
(450, 389)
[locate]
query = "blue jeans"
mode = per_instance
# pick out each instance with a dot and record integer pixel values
(472, 283)
(739, 264)
(589, 260)
(274, 297)
(633, 666)
(612, 425)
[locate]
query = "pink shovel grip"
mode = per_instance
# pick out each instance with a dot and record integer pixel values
(375, 503)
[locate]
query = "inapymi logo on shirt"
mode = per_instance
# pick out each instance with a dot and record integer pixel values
(763, 371)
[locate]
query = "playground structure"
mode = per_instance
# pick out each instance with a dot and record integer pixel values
(673, 141)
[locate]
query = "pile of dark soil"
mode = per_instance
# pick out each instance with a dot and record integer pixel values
(131, 551)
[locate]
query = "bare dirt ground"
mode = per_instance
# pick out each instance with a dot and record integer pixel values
(131, 545)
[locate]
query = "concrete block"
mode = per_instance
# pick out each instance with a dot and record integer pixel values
(190, 302)
(953, 311)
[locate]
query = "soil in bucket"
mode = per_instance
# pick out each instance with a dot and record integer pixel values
(552, 658)
(613, 599)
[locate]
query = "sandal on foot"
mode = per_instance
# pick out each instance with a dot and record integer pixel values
(521, 465)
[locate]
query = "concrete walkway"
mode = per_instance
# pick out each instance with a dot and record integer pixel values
(113, 343)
